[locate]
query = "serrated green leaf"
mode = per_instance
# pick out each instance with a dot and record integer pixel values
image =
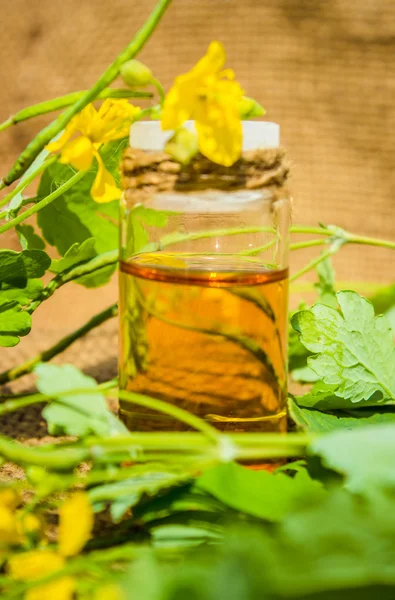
(326, 283)
(14, 323)
(315, 421)
(28, 239)
(17, 267)
(365, 456)
(122, 495)
(259, 493)
(354, 350)
(78, 414)
(76, 254)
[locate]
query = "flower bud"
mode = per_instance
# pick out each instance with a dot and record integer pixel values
(135, 73)
(182, 146)
(249, 108)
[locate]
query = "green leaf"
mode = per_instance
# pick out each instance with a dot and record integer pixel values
(122, 495)
(78, 414)
(315, 421)
(14, 323)
(141, 217)
(364, 456)
(28, 239)
(259, 493)
(21, 295)
(77, 253)
(326, 283)
(250, 108)
(17, 267)
(75, 217)
(354, 350)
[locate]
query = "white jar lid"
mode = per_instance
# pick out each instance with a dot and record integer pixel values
(148, 135)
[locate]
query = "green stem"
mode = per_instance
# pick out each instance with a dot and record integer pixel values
(160, 90)
(357, 239)
(43, 108)
(23, 184)
(312, 230)
(178, 237)
(49, 132)
(44, 202)
(169, 409)
(308, 244)
(254, 251)
(60, 346)
(312, 264)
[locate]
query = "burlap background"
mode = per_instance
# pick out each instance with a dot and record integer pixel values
(323, 69)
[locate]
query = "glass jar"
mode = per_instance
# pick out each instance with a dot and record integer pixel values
(204, 283)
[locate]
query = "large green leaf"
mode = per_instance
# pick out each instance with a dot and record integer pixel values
(365, 456)
(14, 323)
(77, 253)
(78, 414)
(28, 238)
(17, 267)
(75, 217)
(315, 421)
(354, 350)
(258, 493)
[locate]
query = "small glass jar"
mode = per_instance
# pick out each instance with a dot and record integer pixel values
(204, 283)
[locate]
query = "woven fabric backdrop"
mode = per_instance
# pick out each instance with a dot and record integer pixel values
(324, 69)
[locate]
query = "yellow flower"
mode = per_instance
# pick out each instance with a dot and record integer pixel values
(36, 564)
(9, 533)
(211, 97)
(110, 591)
(75, 524)
(95, 128)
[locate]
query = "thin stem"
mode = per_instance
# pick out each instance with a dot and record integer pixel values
(95, 264)
(312, 230)
(45, 136)
(312, 264)
(170, 409)
(60, 346)
(160, 90)
(43, 108)
(44, 202)
(178, 237)
(357, 239)
(254, 251)
(308, 244)
(23, 184)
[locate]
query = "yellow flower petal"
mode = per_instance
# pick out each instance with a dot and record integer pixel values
(115, 118)
(75, 524)
(220, 133)
(59, 589)
(34, 564)
(180, 102)
(110, 591)
(62, 140)
(9, 498)
(78, 153)
(104, 188)
(8, 526)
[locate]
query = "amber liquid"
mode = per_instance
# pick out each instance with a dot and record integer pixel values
(211, 342)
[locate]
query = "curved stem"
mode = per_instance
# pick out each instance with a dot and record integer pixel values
(49, 132)
(160, 90)
(44, 202)
(43, 108)
(358, 239)
(308, 244)
(312, 230)
(23, 184)
(312, 264)
(60, 346)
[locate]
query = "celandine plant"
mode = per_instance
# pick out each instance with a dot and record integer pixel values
(321, 526)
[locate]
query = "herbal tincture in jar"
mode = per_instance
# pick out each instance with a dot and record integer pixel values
(204, 283)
